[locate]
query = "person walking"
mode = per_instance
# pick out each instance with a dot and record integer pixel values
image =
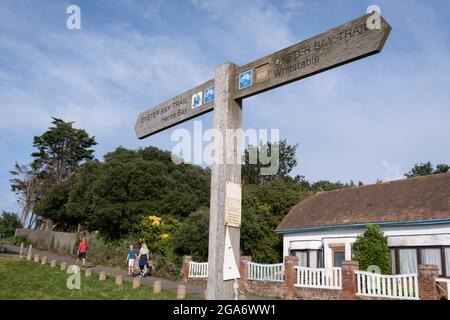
(143, 258)
(131, 257)
(81, 253)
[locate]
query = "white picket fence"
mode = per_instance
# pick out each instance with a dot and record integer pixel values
(198, 269)
(321, 278)
(402, 286)
(265, 272)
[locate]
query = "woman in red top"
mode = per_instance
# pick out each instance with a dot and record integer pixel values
(81, 253)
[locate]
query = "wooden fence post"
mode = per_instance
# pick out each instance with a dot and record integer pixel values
(181, 292)
(102, 276)
(136, 283)
(157, 287)
(185, 268)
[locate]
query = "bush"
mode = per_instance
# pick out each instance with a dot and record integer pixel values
(9, 222)
(167, 266)
(191, 238)
(112, 254)
(156, 232)
(17, 240)
(371, 249)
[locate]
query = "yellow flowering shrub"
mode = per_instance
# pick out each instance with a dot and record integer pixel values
(155, 232)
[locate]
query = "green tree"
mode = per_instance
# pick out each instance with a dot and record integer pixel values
(426, 169)
(371, 249)
(251, 172)
(263, 207)
(324, 185)
(191, 238)
(9, 222)
(26, 186)
(112, 196)
(61, 150)
(53, 206)
(442, 168)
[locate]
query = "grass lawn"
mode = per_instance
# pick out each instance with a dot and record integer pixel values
(23, 280)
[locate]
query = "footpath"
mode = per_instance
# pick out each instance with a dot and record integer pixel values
(167, 284)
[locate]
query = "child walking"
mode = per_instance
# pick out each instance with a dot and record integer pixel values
(131, 257)
(81, 253)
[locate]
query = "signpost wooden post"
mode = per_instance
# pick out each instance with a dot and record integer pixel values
(349, 42)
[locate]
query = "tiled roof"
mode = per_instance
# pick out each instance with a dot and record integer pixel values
(415, 199)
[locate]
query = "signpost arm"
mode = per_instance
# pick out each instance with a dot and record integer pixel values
(226, 167)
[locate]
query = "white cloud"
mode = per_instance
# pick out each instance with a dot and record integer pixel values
(247, 30)
(100, 80)
(293, 4)
(393, 171)
(390, 106)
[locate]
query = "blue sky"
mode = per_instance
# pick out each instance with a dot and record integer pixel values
(372, 119)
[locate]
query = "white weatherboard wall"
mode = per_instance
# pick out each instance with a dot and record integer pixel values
(418, 235)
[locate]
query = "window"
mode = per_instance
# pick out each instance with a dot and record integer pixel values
(393, 262)
(408, 261)
(432, 256)
(338, 257)
(302, 258)
(313, 259)
(309, 258)
(320, 258)
(447, 261)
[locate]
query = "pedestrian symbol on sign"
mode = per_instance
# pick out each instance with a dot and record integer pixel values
(197, 100)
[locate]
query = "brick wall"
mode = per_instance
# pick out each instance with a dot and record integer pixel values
(428, 290)
(291, 292)
(265, 288)
(243, 271)
(185, 273)
(260, 288)
(349, 283)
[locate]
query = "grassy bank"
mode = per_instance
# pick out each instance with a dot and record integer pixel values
(24, 280)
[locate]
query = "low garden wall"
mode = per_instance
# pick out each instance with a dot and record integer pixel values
(265, 288)
(348, 290)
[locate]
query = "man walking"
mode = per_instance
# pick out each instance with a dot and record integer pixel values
(81, 253)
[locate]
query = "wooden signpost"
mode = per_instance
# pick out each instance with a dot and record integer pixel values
(223, 94)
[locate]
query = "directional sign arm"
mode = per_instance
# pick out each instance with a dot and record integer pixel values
(349, 42)
(183, 107)
(341, 45)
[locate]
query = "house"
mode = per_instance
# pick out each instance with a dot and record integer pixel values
(414, 215)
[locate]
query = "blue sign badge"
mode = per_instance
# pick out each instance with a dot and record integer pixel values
(197, 100)
(209, 94)
(245, 79)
